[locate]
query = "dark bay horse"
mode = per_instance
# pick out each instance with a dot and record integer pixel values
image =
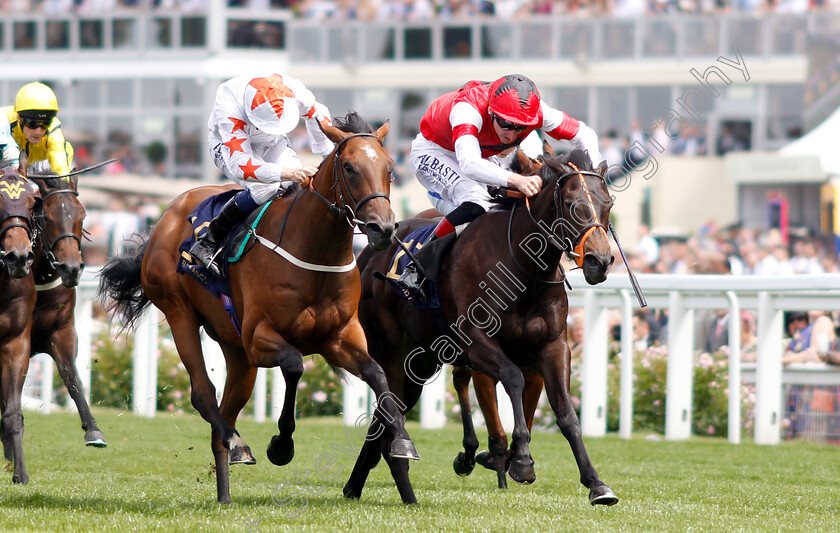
(17, 300)
(287, 309)
(57, 269)
(504, 310)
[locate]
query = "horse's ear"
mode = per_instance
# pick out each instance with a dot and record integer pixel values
(602, 168)
(558, 166)
(334, 134)
(527, 166)
(383, 130)
(548, 151)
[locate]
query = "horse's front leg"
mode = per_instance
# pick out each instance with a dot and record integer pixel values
(63, 343)
(496, 458)
(349, 351)
(14, 359)
(464, 462)
(555, 364)
(488, 358)
(269, 349)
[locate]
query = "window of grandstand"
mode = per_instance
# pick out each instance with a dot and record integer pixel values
(87, 94)
(305, 44)
(413, 105)
(790, 35)
(457, 42)
(417, 43)
(573, 101)
(576, 39)
(124, 33)
(160, 33)
(256, 34)
(157, 93)
(186, 93)
(497, 41)
(535, 39)
(660, 38)
(618, 39)
(120, 93)
(91, 34)
(342, 44)
(58, 35)
(193, 32)
(747, 32)
(612, 108)
(784, 107)
(379, 43)
(702, 36)
(25, 35)
(652, 104)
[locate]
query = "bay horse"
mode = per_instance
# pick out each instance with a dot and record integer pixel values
(57, 269)
(305, 304)
(17, 300)
(502, 311)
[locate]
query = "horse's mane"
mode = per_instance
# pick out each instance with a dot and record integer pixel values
(352, 123)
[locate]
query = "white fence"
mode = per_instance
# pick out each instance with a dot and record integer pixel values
(681, 295)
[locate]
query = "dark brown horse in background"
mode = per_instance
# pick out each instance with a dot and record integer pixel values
(504, 310)
(17, 300)
(57, 269)
(286, 309)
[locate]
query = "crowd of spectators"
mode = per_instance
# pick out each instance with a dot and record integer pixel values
(438, 9)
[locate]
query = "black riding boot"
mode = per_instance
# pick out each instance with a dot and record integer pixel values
(205, 249)
(412, 279)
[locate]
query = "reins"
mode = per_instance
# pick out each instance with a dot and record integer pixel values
(39, 221)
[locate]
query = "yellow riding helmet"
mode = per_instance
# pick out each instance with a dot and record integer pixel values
(36, 97)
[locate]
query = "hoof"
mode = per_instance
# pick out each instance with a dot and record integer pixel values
(487, 460)
(280, 452)
(95, 439)
(351, 494)
(522, 471)
(462, 465)
(404, 449)
(20, 480)
(602, 495)
(241, 455)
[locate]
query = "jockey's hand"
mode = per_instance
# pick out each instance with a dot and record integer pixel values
(299, 175)
(528, 185)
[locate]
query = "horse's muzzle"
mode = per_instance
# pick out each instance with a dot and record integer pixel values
(380, 235)
(19, 264)
(70, 274)
(596, 266)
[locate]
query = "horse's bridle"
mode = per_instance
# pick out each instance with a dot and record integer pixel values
(39, 220)
(340, 206)
(572, 247)
(23, 221)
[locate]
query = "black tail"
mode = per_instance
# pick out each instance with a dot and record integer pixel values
(120, 286)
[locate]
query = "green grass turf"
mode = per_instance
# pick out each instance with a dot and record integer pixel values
(156, 475)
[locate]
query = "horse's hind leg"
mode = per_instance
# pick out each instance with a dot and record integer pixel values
(557, 390)
(464, 462)
(184, 325)
(14, 359)
(239, 384)
(497, 457)
(269, 349)
(365, 462)
(63, 350)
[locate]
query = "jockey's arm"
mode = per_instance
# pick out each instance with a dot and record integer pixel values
(312, 112)
(59, 150)
(466, 123)
(9, 152)
(561, 126)
(238, 159)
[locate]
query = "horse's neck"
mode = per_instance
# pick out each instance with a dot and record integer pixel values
(312, 227)
(525, 230)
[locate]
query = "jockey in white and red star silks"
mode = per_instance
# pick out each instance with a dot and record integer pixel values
(248, 127)
(251, 118)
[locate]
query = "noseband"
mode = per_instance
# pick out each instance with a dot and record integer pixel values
(40, 217)
(339, 184)
(572, 247)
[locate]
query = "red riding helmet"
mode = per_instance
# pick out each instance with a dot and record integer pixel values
(516, 99)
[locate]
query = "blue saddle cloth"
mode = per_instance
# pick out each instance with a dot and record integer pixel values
(234, 245)
(413, 241)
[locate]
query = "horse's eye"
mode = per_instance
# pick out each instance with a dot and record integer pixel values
(348, 168)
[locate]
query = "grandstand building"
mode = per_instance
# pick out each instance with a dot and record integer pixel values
(140, 83)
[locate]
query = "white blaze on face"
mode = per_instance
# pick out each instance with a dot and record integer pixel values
(371, 153)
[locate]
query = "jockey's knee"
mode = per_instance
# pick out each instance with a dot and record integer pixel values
(464, 213)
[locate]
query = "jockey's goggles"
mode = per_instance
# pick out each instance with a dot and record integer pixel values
(35, 124)
(506, 125)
